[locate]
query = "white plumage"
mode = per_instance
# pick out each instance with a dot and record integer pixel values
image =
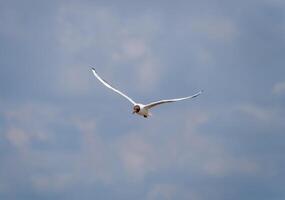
(139, 108)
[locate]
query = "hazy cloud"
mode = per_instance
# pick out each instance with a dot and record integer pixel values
(63, 135)
(279, 88)
(259, 113)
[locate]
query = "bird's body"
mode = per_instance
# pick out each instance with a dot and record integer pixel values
(139, 108)
(143, 111)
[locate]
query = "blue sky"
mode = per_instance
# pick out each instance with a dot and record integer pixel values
(65, 136)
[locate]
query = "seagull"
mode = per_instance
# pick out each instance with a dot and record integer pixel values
(138, 108)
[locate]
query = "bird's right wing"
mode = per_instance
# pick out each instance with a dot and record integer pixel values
(110, 87)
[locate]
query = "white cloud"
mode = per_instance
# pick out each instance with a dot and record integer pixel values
(218, 28)
(279, 88)
(83, 26)
(170, 191)
(209, 155)
(129, 158)
(24, 124)
(227, 164)
(136, 155)
(162, 191)
(95, 157)
(54, 182)
(74, 80)
(149, 73)
(91, 162)
(131, 48)
(260, 113)
(124, 44)
(152, 151)
(63, 153)
(18, 138)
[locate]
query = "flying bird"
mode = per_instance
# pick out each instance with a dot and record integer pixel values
(138, 108)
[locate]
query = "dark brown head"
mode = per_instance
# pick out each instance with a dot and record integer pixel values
(136, 109)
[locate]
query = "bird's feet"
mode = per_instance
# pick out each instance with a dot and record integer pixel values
(145, 116)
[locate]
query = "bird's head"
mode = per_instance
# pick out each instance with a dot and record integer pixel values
(137, 108)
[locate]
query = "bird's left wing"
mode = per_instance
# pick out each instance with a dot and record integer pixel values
(150, 105)
(111, 87)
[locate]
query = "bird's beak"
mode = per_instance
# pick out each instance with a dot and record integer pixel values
(134, 112)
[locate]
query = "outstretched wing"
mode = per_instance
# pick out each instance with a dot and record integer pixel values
(112, 88)
(148, 106)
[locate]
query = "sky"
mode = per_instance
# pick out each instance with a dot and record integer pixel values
(63, 135)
